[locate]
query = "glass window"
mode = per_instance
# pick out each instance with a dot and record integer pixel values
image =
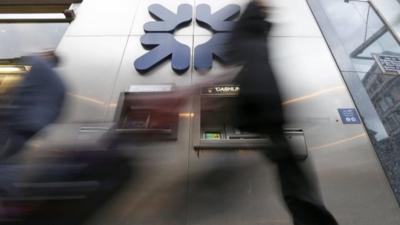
(392, 123)
(384, 106)
(389, 100)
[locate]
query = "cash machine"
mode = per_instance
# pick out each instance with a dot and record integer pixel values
(146, 112)
(215, 130)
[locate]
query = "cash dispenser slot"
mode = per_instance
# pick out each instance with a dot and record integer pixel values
(141, 117)
(215, 122)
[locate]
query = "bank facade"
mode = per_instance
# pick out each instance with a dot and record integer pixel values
(122, 46)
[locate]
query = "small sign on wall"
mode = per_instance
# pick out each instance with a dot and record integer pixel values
(389, 64)
(349, 116)
(221, 90)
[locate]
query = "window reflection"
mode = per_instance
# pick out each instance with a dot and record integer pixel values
(364, 35)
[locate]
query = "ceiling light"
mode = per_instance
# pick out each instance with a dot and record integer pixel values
(20, 16)
(67, 16)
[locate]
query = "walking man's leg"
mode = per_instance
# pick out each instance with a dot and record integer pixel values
(299, 189)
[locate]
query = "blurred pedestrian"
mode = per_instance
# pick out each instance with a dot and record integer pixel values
(259, 110)
(36, 103)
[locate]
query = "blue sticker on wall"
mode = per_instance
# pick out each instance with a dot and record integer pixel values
(349, 116)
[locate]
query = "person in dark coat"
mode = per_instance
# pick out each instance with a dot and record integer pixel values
(259, 110)
(37, 102)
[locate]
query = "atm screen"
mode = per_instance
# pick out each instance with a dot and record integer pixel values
(212, 135)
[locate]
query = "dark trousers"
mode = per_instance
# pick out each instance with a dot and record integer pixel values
(299, 189)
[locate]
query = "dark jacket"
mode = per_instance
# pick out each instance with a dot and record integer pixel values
(39, 98)
(260, 104)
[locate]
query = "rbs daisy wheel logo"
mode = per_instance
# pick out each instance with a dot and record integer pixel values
(160, 41)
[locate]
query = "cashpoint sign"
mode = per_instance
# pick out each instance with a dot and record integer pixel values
(221, 90)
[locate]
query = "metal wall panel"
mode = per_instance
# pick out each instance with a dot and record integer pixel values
(161, 74)
(143, 15)
(293, 18)
(103, 17)
(215, 6)
(174, 185)
(90, 67)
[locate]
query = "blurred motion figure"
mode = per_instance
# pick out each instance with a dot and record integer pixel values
(63, 187)
(259, 110)
(36, 103)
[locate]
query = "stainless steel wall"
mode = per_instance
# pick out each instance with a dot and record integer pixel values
(173, 184)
